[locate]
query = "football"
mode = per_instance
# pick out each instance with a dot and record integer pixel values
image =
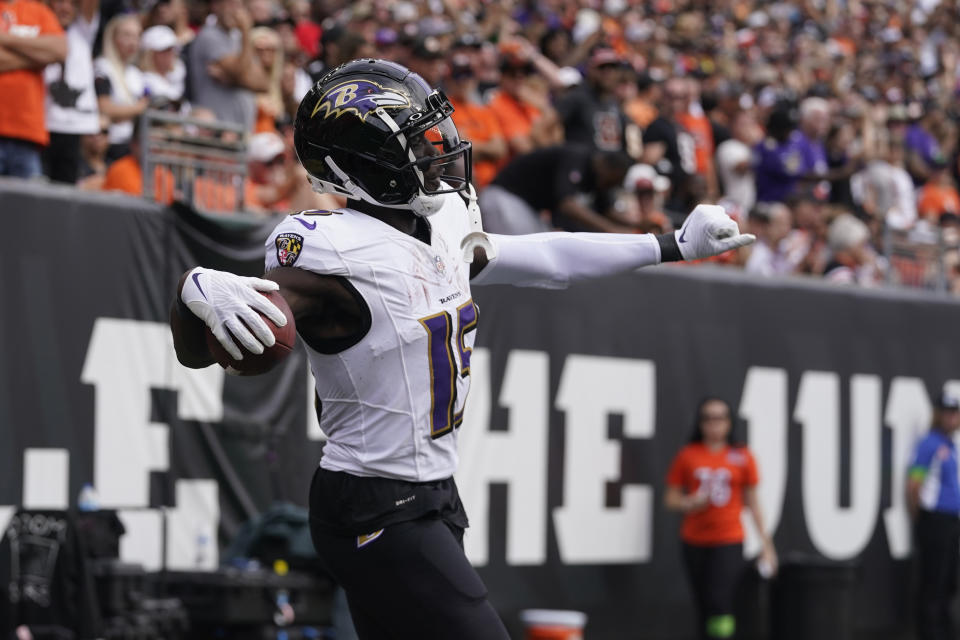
(255, 364)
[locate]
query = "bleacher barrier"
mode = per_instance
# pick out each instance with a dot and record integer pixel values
(205, 161)
(919, 260)
(579, 401)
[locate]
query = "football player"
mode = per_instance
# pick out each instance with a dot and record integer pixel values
(380, 291)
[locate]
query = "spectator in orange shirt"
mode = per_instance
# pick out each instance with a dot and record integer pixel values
(125, 174)
(475, 122)
(269, 182)
(642, 108)
(277, 183)
(30, 39)
(939, 195)
(695, 121)
(522, 107)
(710, 480)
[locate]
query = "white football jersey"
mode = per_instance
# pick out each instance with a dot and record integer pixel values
(392, 403)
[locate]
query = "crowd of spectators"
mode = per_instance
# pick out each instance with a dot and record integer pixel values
(826, 127)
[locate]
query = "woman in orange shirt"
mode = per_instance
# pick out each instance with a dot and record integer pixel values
(710, 481)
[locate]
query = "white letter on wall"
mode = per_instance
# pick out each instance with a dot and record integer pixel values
(764, 407)
(591, 388)
(908, 417)
(839, 532)
(517, 456)
(125, 359)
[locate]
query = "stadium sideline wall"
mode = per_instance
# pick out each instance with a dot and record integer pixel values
(579, 401)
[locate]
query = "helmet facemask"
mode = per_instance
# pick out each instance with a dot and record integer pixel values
(420, 162)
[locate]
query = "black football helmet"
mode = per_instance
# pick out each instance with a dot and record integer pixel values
(373, 130)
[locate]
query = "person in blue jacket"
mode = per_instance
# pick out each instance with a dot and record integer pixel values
(933, 497)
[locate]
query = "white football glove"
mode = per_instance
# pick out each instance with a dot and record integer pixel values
(709, 231)
(228, 304)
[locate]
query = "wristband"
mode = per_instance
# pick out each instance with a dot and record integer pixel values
(669, 249)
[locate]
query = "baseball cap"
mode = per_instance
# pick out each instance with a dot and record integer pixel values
(428, 48)
(469, 41)
(946, 400)
(158, 38)
(460, 66)
(385, 36)
(513, 59)
(265, 146)
(604, 56)
(643, 177)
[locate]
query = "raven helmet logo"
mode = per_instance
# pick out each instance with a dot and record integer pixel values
(289, 246)
(359, 97)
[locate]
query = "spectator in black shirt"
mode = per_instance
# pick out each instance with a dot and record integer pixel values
(337, 45)
(670, 148)
(562, 187)
(723, 103)
(429, 59)
(592, 112)
(844, 158)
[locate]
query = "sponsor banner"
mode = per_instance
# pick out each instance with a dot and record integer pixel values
(580, 399)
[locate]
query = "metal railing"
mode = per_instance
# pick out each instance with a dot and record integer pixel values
(198, 162)
(919, 260)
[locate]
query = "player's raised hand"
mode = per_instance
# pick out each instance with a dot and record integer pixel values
(228, 304)
(709, 231)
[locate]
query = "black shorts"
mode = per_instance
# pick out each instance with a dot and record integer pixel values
(396, 549)
(342, 503)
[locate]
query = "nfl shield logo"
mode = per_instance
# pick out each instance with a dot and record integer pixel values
(289, 246)
(438, 261)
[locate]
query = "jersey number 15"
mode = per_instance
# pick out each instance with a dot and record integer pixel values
(443, 365)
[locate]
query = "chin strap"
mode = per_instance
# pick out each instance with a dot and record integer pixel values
(421, 205)
(348, 184)
(476, 238)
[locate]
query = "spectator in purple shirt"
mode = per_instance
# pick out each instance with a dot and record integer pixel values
(779, 158)
(785, 158)
(814, 125)
(921, 145)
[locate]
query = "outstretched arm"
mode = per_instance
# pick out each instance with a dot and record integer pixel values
(554, 260)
